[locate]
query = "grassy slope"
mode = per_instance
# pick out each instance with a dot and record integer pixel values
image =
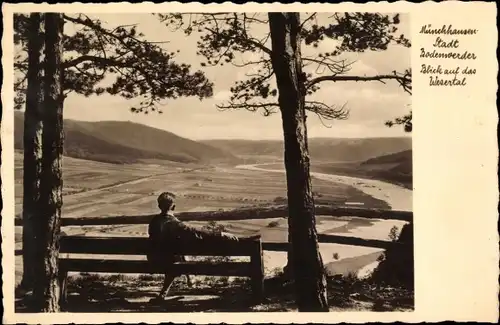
(127, 142)
(394, 168)
(399, 162)
(321, 149)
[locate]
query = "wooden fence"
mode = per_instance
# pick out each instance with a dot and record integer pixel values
(261, 213)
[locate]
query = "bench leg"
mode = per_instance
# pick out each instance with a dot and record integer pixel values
(169, 280)
(63, 281)
(257, 273)
(188, 281)
(257, 288)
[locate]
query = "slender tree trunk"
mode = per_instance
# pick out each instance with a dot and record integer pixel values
(46, 290)
(32, 148)
(307, 264)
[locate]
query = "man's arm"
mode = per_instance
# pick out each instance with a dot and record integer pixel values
(189, 232)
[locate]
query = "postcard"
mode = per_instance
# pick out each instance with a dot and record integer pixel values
(251, 163)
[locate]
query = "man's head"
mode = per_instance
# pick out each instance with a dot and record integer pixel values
(166, 202)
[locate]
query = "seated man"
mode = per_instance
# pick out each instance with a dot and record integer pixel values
(166, 231)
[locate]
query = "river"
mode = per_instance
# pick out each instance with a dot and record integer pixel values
(360, 259)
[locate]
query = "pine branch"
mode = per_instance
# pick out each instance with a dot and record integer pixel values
(335, 66)
(269, 108)
(404, 80)
(328, 112)
(101, 61)
(307, 19)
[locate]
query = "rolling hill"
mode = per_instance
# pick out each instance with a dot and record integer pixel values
(399, 162)
(128, 142)
(395, 168)
(321, 149)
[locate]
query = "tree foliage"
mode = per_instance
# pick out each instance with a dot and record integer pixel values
(405, 121)
(95, 60)
(118, 61)
(226, 38)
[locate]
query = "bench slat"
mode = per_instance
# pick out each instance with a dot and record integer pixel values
(121, 266)
(139, 246)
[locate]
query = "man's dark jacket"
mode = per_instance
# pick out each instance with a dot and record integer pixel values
(166, 233)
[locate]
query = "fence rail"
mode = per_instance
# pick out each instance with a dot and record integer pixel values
(322, 239)
(237, 214)
(334, 239)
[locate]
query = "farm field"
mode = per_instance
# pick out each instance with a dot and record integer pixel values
(98, 189)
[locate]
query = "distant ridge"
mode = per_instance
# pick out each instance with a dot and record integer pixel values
(128, 142)
(321, 149)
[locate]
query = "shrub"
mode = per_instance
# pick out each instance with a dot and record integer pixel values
(116, 277)
(317, 194)
(379, 305)
(151, 277)
(213, 226)
(273, 224)
(394, 233)
(351, 278)
(277, 272)
(336, 256)
(397, 268)
(280, 200)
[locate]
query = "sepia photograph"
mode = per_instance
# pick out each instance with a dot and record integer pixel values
(178, 162)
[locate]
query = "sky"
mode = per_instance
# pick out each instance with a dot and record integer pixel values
(370, 103)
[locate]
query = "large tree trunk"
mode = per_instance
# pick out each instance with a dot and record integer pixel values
(32, 149)
(46, 290)
(307, 264)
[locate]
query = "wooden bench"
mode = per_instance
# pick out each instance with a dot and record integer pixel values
(249, 247)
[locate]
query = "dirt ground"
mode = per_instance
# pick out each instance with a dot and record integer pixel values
(118, 293)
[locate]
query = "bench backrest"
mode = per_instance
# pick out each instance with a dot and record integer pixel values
(139, 246)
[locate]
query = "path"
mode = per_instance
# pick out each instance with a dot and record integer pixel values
(133, 181)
